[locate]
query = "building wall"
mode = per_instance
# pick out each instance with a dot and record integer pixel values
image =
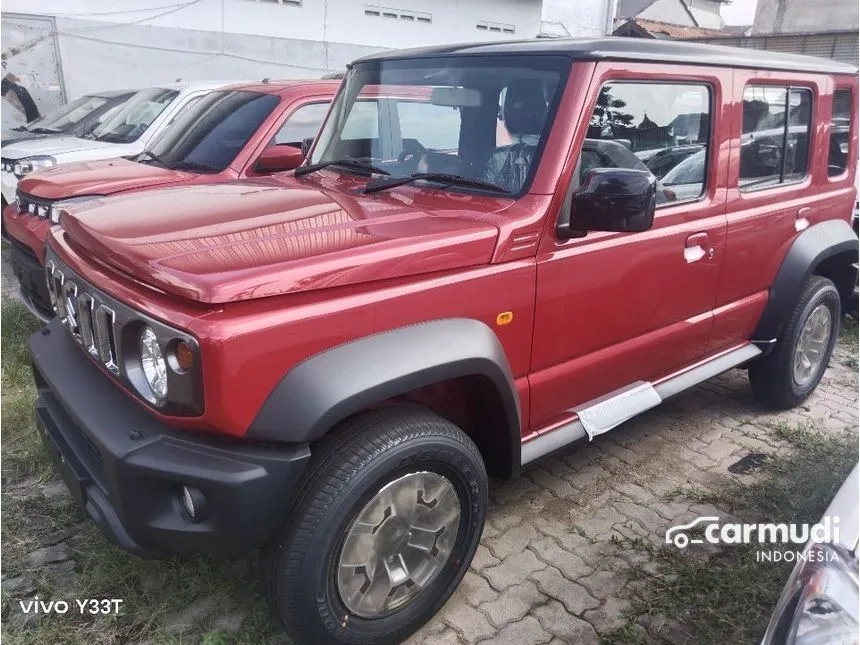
(841, 46)
(590, 19)
(102, 45)
(707, 13)
(671, 11)
(800, 16)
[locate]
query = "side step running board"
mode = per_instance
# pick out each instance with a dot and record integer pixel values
(611, 410)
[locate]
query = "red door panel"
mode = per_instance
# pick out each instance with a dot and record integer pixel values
(763, 223)
(614, 308)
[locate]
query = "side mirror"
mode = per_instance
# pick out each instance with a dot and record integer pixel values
(279, 158)
(307, 142)
(619, 200)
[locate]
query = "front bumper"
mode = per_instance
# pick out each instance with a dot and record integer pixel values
(32, 286)
(126, 468)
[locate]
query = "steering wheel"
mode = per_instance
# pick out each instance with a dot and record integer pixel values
(411, 149)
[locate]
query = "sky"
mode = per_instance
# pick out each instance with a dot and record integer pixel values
(739, 12)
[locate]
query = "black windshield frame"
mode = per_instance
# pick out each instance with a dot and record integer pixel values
(372, 73)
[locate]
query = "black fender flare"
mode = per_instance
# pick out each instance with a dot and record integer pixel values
(327, 387)
(830, 240)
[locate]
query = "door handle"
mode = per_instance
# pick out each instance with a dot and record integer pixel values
(801, 222)
(697, 246)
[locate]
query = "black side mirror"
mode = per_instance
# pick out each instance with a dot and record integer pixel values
(619, 200)
(306, 145)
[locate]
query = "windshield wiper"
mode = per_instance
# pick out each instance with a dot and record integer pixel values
(194, 165)
(353, 164)
(109, 137)
(148, 153)
(438, 177)
(45, 131)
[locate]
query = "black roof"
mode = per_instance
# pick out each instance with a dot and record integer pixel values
(634, 49)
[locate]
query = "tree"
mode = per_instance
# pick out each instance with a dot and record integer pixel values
(609, 114)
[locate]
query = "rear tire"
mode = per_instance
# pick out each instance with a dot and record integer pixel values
(789, 374)
(397, 489)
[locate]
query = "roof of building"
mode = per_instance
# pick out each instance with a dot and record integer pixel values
(638, 49)
(656, 29)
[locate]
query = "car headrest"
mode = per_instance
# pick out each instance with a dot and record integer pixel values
(525, 107)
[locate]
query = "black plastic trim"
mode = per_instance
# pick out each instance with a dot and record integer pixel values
(330, 386)
(811, 247)
(31, 279)
(126, 468)
(632, 49)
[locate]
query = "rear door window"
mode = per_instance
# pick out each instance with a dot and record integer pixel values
(774, 146)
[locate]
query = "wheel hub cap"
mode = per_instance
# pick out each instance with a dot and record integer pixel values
(811, 345)
(398, 543)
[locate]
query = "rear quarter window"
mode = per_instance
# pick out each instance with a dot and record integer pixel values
(840, 133)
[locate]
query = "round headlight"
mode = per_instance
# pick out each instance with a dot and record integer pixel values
(31, 164)
(153, 363)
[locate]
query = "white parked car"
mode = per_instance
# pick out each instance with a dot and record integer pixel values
(125, 131)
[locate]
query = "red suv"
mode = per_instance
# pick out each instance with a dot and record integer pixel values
(326, 365)
(240, 131)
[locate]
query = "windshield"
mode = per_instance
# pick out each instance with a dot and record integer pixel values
(68, 116)
(209, 135)
(478, 118)
(134, 117)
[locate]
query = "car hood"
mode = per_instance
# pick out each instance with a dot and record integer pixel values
(103, 177)
(17, 137)
(250, 239)
(53, 146)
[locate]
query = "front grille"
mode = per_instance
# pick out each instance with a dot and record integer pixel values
(7, 164)
(33, 205)
(108, 332)
(85, 312)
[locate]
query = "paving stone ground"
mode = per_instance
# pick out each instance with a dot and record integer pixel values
(548, 569)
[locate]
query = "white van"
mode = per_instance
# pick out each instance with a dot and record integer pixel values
(125, 131)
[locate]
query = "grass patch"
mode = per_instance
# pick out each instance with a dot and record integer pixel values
(16, 325)
(23, 455)
(728, 596)
(153, 592)
(849, 337)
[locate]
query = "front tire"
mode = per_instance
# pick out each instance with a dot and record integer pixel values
(384, 527)
(789, 374)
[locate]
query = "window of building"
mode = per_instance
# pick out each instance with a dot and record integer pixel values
(635, 123)
(775, 136)
(840, 133)
(397, 14)
(302, 124)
